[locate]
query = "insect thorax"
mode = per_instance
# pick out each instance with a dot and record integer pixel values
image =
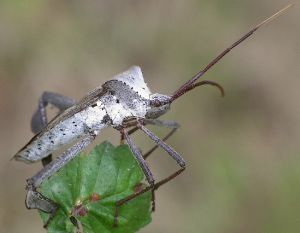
(122, 102)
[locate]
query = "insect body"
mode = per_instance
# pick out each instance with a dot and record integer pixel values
(123, 102)
(124, 97)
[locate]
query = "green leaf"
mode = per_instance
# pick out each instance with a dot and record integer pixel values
(90, 185)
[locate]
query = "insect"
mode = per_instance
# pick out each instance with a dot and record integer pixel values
(124, 102)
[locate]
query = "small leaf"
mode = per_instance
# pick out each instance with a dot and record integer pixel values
(88, 187)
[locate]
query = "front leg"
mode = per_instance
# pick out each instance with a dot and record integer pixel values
(151, 188)
(177, 157)
(139, 158)
(143, 164)
(162, 123)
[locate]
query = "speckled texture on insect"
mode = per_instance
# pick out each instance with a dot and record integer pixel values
(125, 96)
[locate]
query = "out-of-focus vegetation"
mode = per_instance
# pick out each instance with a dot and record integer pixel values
(242, 151)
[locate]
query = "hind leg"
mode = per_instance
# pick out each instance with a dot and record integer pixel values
(173, 125)
(159, 143)
(39, 118)
(34, 199)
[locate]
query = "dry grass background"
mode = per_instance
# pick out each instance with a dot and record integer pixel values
(243, 172)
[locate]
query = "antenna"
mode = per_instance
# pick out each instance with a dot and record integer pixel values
(190, 84)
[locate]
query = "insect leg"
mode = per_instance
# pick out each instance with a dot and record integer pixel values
(131, 131)
(163, 145)
(139, 158)
(149, 152)
(170, 124)
(126, 199)
(39, 118)
(119, 203)
(146, 189)
(34, 199)
(164, 123)
(179, 160)
(57, 164)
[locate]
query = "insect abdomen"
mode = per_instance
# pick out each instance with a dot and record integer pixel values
(41, 146)
(65, 132)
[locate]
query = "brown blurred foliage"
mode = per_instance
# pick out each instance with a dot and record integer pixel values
(242, 152)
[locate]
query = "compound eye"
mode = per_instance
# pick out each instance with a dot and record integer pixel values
(155, 103)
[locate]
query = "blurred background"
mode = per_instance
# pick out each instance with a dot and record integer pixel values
(242, 151)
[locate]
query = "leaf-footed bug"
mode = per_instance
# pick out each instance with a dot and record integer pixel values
(122, 102)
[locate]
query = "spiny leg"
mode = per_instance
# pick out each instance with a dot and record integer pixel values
(163, 123)
(39, 118)
(179, 160)
(34, 199)
(174, 125)
(171, 152)
(142, 163)
(131, 131)
(146, 189)
(149, 152)
(139, 158)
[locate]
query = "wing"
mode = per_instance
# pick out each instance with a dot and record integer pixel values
(133, 77)
(86, 101)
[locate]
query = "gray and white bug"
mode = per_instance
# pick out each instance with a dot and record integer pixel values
(124, 101)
